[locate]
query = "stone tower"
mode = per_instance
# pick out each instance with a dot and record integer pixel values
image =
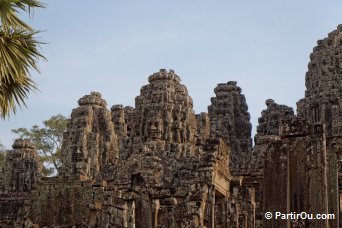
(322, 105)
(90, 141)
(303, 160)
(170, 174)
(268, 128)
(22, 168)
(164, 113)
(323, 96)
(230, 120)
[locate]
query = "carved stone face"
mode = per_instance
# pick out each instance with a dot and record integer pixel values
(155, 127)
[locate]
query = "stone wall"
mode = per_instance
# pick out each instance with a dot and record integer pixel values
(307, 153)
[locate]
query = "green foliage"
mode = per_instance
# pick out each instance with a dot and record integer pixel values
(2, 156)
(18, 54)
(48, 141)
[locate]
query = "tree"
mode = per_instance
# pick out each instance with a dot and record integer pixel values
(2, 155)
(18, 54)
(48, 141)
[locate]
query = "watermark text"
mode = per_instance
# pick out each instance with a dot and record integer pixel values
(298, 216)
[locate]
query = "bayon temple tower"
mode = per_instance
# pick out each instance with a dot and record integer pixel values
(159, 164)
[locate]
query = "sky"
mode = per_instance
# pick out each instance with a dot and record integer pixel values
(114, 46)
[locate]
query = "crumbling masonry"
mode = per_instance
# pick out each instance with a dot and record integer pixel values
(160, 165)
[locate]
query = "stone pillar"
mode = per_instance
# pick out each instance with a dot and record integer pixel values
(167, 212)
(275, 184)
(131, 214)
(212, 203)
(156, 208)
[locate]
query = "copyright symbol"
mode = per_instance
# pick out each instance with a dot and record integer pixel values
(268, 215)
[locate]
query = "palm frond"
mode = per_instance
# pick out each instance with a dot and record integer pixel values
(13, 93)
(26, 5)
(19, 52)
(9, 18)
(9, 10)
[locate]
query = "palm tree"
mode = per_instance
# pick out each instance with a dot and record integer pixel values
(19, 53)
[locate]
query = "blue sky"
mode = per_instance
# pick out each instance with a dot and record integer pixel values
(114, 46)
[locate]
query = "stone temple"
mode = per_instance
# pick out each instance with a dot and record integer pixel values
(158, 164)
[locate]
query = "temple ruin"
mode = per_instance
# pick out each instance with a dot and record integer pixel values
(158, 164)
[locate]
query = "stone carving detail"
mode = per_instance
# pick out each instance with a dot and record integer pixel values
(22, 167)
(21, 175)
(271, 118)
(164, 110)
(120, 118)
(323, 95)
(90, 142)
(203, 127)
(230, 120)
(268, 129)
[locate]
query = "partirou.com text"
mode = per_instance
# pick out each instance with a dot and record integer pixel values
(298, 216)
